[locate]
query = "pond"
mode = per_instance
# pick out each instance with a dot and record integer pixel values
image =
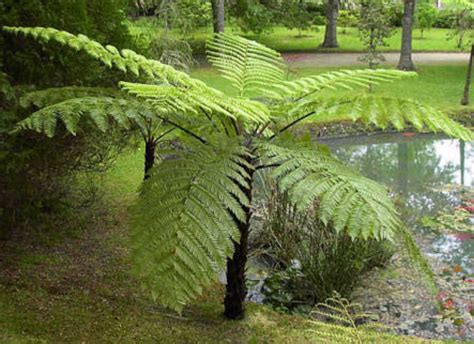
(428, 175)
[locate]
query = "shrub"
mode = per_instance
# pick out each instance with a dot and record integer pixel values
(346, 19)
(425, 17)
(311, 260)
(39, 176)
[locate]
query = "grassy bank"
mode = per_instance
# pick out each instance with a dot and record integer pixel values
(285, 40)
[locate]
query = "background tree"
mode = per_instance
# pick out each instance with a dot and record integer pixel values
(467, 85)
(294, 14)
(218, 15)
(203, 195)
(374, 29)
(426, 15)
(406, 62)
(330, 33)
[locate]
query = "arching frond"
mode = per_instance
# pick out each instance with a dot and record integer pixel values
(349, 201)
(56, 95)
(344, 79)
(102, 111)
(380, 111)
(250, 66)
(182, 224)
(171, 100)
(124, 60)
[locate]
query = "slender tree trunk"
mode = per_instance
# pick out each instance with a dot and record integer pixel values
(467, 86)
(150, 150)
(330, 34)
(236, 290)
(406, 62)
(218, 15)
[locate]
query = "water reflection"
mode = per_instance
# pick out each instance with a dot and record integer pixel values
(427, 173)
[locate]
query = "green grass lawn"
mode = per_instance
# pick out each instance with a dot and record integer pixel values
(438, 85)
(285, 40)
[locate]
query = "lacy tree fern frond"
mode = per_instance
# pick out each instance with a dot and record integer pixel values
(170, 100)
(124, 60)
(380, 111)
(102, 111)
(250, 66)
(349, 201)
(184, 221)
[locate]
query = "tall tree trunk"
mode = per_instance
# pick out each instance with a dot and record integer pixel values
(218, 15)
(150, 151)
(236, 290)
(467, 86)
(330, 34)
(406, 62)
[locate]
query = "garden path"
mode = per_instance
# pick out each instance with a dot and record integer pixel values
(301, 60)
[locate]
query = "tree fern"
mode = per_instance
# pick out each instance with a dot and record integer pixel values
(193, 213)
(183, 228)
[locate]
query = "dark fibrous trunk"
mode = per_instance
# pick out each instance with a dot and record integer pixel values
(236, 290)
(406, 62)
(150, 151)
(330, 35)
(467, 86)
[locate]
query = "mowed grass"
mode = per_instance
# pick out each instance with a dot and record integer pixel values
(285, 40)
(440, 86)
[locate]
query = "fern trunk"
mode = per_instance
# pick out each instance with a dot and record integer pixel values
(236, 290)
(467, 86)
(150, 151)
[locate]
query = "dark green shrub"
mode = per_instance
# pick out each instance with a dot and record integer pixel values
(310, 259)
(40, 176)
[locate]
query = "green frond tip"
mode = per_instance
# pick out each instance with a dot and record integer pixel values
(250, 66)
(102, 111)
(343, 79)
(183, 223)
(350, 202)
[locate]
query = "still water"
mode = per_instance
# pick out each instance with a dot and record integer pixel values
(426, 174)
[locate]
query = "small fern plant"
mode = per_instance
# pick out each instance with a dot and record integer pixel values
(340, 321)
(192, 218)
